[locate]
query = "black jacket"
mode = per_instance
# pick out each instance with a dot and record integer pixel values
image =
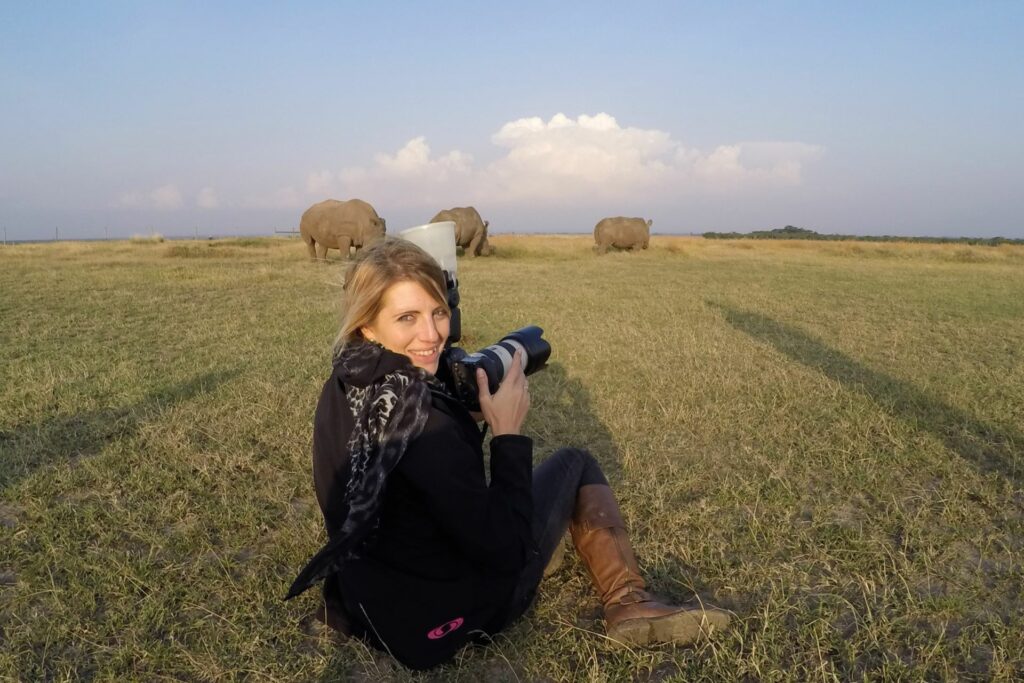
(449, 548)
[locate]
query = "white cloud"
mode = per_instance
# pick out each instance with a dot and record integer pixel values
(561, 160)
(320, 183)
(163, 197)
(282, 198)
(410, 175)
(414, 159)
(760, 162)
(166, 197)
(595, 156)
(572, 157)
(207, 199)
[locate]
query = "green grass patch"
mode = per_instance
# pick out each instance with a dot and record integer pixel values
(825, 440)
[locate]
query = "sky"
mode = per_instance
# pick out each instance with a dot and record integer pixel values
(233, 118)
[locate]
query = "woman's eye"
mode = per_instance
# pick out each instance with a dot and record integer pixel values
(405, 318)
(440, 313)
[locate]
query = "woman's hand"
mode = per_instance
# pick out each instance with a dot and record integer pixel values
(506, 409)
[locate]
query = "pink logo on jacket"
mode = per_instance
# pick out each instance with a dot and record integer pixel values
(444, 629)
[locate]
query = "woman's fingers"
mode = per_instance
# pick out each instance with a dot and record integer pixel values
(506, 409)
(515, 373)
(483, 389)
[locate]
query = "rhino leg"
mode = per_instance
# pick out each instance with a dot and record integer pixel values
(474, 244)
(309, 245)
(601, 248)
(321, 252)
(344, 246)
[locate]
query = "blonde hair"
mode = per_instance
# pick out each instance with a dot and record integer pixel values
(370, 276)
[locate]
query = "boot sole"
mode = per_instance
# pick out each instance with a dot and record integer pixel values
(681, 628)
(555, 563)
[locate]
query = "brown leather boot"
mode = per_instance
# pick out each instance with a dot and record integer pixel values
(632, 615)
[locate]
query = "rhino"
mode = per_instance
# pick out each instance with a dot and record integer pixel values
(470, 229)
(621, 232)
(333, 224)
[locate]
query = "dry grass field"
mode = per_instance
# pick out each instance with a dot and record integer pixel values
(824, 437)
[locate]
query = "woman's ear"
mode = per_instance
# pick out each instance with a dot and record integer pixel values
(367, 334)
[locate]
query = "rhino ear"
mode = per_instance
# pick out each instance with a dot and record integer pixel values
(650, 222)
(486, 223)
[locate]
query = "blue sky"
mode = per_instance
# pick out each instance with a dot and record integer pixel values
(862, 118)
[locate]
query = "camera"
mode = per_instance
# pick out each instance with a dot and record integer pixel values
(457, 370)
(496, 361)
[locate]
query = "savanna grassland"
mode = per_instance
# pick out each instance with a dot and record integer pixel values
(825, 438)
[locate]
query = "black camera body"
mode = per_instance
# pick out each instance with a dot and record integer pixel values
(496, 361)
(458, 368)
(455, 321)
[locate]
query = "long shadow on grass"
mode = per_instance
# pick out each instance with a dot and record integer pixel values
(63, 438)
(990, 449)
(561, 414)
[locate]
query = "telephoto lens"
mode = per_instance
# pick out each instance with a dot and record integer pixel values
(496, 361)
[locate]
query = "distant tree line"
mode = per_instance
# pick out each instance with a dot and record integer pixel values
(791, 232)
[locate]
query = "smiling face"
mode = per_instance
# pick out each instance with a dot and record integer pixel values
(411, 322)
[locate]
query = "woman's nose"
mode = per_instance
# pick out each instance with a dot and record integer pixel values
(428, 331)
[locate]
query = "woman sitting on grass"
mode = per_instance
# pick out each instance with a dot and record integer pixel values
(423, 554)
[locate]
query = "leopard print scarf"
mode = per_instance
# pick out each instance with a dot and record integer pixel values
(388, 414)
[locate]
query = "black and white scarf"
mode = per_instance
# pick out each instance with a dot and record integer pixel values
(388, 414)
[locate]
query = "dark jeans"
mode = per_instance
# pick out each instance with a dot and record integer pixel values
(555, 483)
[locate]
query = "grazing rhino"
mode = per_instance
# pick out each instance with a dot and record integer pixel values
(470, 229)
(621, 232)
(333, 224)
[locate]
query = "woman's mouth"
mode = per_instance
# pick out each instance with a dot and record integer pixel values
(425, 354)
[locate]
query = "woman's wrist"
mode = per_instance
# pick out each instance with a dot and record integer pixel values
(498, 428)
